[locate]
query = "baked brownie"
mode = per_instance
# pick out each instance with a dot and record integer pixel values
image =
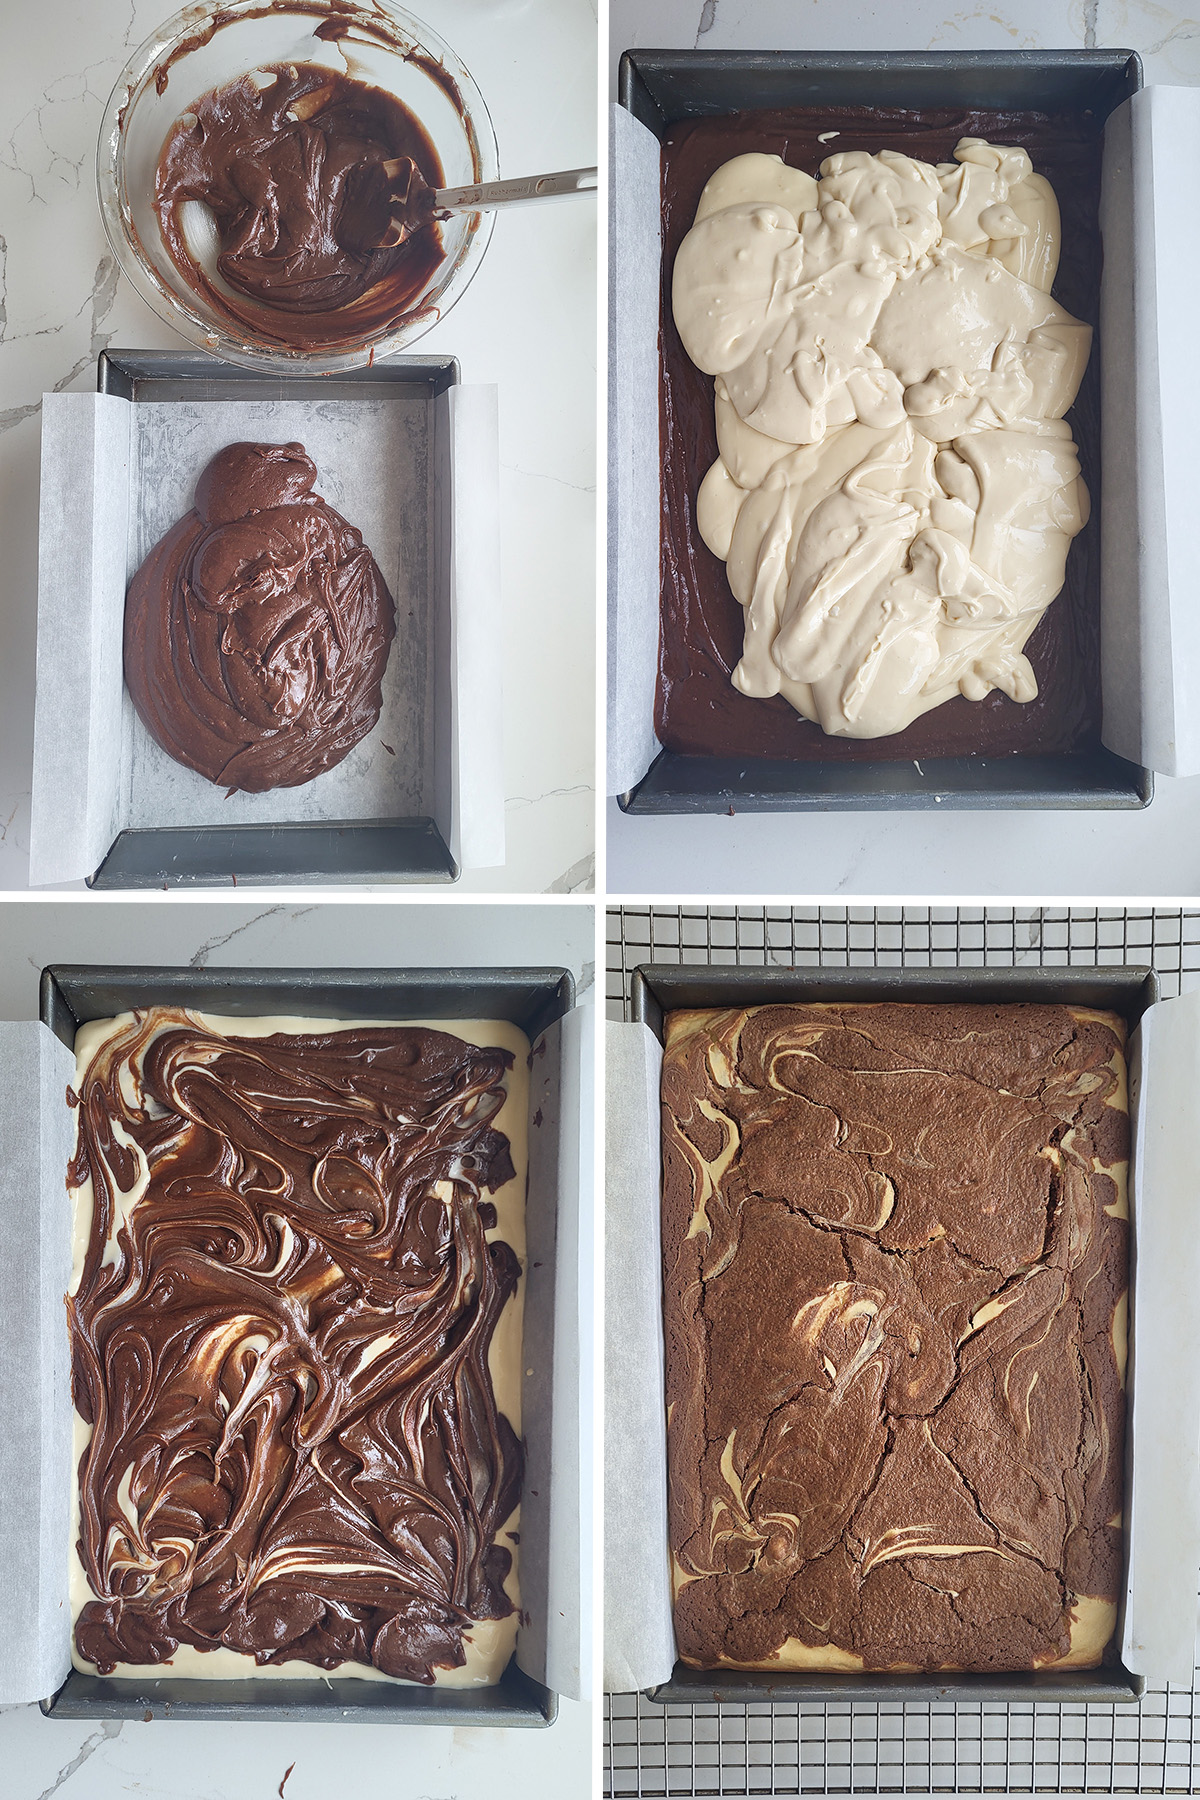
(895, 1275)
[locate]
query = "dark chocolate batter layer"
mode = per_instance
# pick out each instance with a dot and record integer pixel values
(892, 1262)
(294, 175)
(296, 1451)
(257, 631)
(698, 711)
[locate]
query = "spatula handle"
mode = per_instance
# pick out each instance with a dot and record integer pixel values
(491, 194)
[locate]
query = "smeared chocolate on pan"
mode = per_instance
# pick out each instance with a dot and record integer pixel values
(257, 630)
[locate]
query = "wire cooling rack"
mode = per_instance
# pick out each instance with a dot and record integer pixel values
(938, 1748)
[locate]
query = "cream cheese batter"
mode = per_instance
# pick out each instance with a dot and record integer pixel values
(896, 488)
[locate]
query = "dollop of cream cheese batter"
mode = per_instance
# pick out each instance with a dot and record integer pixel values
(897, 488)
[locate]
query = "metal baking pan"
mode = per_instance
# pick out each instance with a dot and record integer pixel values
(530, 998)
(381, 850)
(659, 988)
(660, 87)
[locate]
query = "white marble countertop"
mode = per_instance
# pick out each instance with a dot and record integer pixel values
(174, 1760)
(1050, 854)
(527, 323)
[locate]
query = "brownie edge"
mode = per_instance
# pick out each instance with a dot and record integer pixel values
(895, 1259)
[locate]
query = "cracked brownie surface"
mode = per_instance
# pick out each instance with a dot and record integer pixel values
(895, 1247)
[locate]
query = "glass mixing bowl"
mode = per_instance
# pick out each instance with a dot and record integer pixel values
(204, 47)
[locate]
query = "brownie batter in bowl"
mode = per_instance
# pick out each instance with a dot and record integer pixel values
(895, 1268)
(297, 167)
(257, 631)
(249, 158)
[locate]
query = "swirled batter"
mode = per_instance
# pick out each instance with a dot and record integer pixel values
(295, 1329)
(896, 488)
(895, 1271)
(295, 167)
(257, 630)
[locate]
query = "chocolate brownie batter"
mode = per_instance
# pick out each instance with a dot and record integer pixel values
(698, 711)
(257, 631)
(280, 1339)
(299, 176)
(895, 1266)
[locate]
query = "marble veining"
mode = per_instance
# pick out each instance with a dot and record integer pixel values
(83, 1760)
